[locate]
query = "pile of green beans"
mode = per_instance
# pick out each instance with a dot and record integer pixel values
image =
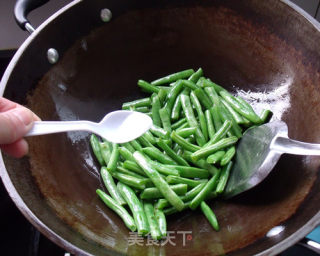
(183, 161)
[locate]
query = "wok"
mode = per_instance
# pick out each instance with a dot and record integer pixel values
(266, 51)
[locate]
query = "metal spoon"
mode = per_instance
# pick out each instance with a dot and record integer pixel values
(118, 126)
(258, 152)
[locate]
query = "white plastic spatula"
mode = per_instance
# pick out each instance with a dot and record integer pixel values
(118, 126)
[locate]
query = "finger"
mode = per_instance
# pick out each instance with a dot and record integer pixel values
(6, 104)
(17, 149)
(15, 123)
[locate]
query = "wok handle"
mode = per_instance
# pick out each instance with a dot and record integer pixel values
(290, 146)
(21, 10)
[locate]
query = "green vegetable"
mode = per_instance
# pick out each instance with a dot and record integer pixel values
(224, 177)
(111, 186)
(171, 153)
(228, 156)
(154, 193)
(152, 221)
(136, 208)
(158, 181)
(147, 87)
(209, 187)
(216, 157)
(146, 102)
(156, 106)
(116, 207)
(112, 164)
(211, 217)
(162, 222)
(96, 148)
(204, 152)
(173, 77)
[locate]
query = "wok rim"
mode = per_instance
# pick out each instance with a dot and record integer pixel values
(59, 240)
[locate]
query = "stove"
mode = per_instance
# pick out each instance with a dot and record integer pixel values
(19, 237)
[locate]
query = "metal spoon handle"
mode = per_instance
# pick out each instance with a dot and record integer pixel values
(47, 127)
(290, 146)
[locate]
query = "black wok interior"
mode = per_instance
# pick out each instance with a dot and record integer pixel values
(266, 52)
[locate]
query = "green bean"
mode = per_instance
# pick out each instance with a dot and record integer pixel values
(173, 77)
(200, 163)
(126, 154)
(116, 207)
(144, 141)
(236, 116)
(152, 221)
(247, 111)
(132, 166)
(265, 115)
(171, 153)
(215, 157)
(147, 87)
(145, 102)
(130, 180)
(173, 94)
(148, 135)
(228, 156)
(176, 109)
(210, 186)
(204, 152)
(128, 146)
(183, 143)
(216, 117)
(189, 84)
(154, 193)
(163, 203)
(179, 180)
(123, 170)
(105, 150)
(201, 117)
(224, 178)
(96, 148)
(225, 115)
(186, 132)
(164, 169)
(178, 123)
(210, 127)
(159, 132)
(172, 210)
(136, 145)
(217, 88)
(183, 126)
(165, 87)
(211, 217)
(156, 154)
(187, 108)
(203, 98)
(162, 94)
(112, 165)
(142, 109)
(158, 181)
(196, 75)
(191, 172)
(212, 94)
(136, 208)
(156, 106)
(111, 186)
(162, 222)
(221, 133)
(165, 119)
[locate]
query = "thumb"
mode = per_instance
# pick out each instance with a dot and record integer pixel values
(14, 124)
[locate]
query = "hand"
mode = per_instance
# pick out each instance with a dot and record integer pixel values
(15, 122)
